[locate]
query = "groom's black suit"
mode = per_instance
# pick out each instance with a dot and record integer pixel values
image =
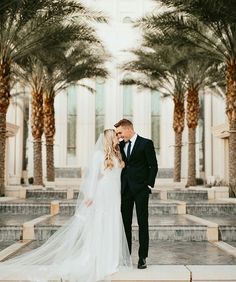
(139, 172)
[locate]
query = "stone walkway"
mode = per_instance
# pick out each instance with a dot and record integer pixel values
(193, 232)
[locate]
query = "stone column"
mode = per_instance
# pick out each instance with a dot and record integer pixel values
(60, 143)
(208, 135)
(85, 125)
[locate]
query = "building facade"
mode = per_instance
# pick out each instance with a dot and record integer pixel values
(82, 116)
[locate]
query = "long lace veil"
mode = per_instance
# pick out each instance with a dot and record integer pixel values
(69, 250)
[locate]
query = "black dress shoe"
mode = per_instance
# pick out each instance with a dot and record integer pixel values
(142, 263)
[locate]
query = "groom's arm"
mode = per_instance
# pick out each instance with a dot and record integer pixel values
(152, 162)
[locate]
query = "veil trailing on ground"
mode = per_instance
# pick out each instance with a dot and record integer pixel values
(70, 250)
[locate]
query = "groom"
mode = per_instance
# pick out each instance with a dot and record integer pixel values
(137, 177)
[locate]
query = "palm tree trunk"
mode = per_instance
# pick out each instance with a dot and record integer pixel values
(2, 150)
(4, 103)
(178, 126)
(38, 169)
(231, 113)
(50, 160)
(191, 157)
(49, 131)
(178, 150)
(37, 131)
(193, 111)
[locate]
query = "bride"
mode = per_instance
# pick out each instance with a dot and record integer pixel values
(92, 245)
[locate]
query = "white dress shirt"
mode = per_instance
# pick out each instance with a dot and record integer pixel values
(133, 139)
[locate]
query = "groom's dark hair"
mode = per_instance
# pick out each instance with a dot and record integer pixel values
(124, 122)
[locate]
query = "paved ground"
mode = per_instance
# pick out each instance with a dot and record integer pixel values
(15, 219)
(176, 253)
(163, 220)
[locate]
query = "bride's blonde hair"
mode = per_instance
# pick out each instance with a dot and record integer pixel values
(111, 149)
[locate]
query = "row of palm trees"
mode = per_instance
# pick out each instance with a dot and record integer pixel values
(46, 46)
(189, 46)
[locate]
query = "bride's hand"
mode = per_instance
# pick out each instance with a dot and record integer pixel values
(88, 202)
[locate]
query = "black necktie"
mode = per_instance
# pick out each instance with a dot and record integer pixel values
(128, 150)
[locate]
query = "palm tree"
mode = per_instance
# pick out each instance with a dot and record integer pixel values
(194, 70)
(23, 26)
(154, 68)
(21, 31)
(84, 61)
(211, 26)
(47, 72)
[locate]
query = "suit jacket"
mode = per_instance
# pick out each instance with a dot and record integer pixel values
(141, 168)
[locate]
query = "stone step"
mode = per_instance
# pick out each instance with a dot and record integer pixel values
(159, 207)
(155, 195)
(46, 194)
(155, 207)
(174, 227)
(227, 226)
(40, 207)
(11, 226)
(211, 208)
(25, 208)
(51, 194)
(187, 195)
(176, 194)
(11, 233)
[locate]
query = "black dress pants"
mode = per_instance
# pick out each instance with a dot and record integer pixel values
(128, 199)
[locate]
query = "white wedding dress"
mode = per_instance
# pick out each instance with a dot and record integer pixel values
(91, 246)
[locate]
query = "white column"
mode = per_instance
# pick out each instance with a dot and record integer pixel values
(60, 143)
(142, 111)
(208, 135)
(29, 145)
(85, 125)
(112, 103)
(6, 162)
(167, 139)
(15, 143)
(197, 152)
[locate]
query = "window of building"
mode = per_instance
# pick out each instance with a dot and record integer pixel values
(127, 20)
(99, 107)
(71, 125)
(155, 120)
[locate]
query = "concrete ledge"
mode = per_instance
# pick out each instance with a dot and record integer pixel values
(221, 192)
(67, 182)
(11, 250)
(215, 192)
(229, 200)
(213, 272)
(169, 183)
(163, 195)
(28, 227)
(16, 191)
(212, 228)
(50, 184)
(36, 187)
(226, 247)
(55, 206)
(7, 199)
(154, 273)
(170, 273)
(181, 208)
(70, 194)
